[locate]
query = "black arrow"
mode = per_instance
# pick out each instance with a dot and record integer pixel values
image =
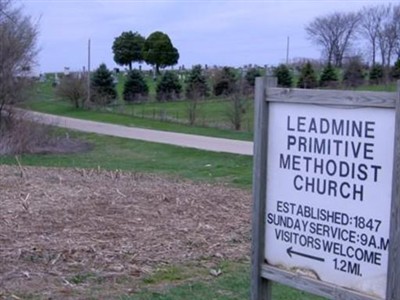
(290, 252)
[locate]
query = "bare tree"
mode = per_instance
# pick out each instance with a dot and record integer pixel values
(73, 87)
(334, 34)
(372, 18)
(18, 50)
(388, 36)
(396, 20)
(238, 105)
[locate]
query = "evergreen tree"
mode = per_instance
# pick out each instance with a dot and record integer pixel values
(103, 86)
(307, 79)
(396, 70)
(376, 74)
(329, 77)
(251, 75)
(282, 73)
(196, 84)
(169, 87)
(135, 87)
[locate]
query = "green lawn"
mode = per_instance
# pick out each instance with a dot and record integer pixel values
(212, 119)
(391, 87)
(131, 155)
(232, 284)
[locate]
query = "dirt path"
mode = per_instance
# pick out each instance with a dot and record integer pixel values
(164, 137)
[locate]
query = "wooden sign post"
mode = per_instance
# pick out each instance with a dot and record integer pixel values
(326, 214)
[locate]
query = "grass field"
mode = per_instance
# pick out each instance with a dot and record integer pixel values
(233, 284)
(212, 115)
(117, 153)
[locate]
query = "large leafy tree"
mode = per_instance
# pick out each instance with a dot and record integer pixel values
(159, 51)
(128, 48)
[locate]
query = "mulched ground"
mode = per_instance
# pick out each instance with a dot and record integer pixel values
(59, 224)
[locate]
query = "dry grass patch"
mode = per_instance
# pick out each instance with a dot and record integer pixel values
(76, 233)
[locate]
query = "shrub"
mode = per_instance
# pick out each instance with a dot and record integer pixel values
(307, 79)
(329, 77)
(224, 82)
(135, 87)
(73, 88)
(103, 86)
(237, 108)
(169, 87)
(196, 84)
(19, 134)
(353, 75)
(282, 73)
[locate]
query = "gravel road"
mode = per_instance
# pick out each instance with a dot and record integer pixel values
(149, 135)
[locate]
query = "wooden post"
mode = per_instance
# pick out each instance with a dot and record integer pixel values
(260, 287)
(88, 74)
(393, 284)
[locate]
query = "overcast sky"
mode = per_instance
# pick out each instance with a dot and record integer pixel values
(209, 32)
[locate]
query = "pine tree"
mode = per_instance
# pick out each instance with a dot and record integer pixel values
(196, 84)
(283, 75)
(103, 86)
(395, 73)
(376, 74)
(329, 77)
(135, 87)
(169, 87)
(251, 75)
(307, 79)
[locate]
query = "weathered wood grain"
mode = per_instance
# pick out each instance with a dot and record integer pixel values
(260, 288)
(332, 97)
(393, 284)
(311, 285)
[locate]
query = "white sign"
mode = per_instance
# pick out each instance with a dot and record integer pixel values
(329, 193)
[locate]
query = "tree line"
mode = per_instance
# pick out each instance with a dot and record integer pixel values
(196, 83)
(375, 28)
